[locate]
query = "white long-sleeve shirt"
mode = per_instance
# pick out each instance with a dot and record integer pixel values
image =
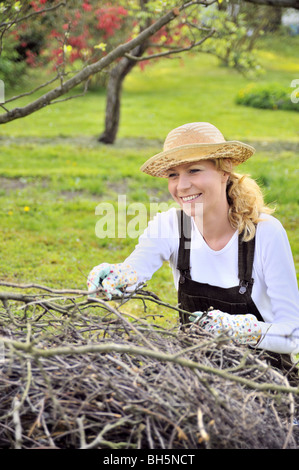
(275, 289)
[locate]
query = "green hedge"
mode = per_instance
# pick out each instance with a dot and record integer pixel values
(268, 96)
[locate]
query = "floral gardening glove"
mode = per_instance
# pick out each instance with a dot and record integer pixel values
(111, 277)
(242, 329)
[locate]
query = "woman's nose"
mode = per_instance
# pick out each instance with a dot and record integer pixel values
(183, 182)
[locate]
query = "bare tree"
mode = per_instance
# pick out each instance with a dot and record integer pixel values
(122, 69)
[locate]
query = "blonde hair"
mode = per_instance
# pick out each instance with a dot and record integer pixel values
(245, 199)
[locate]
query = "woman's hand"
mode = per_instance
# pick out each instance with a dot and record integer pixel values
(110, 278)
(242, 329)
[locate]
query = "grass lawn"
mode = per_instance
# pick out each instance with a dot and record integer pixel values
(53, 173)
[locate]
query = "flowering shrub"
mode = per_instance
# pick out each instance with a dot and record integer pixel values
(266, 96)
(64, 35)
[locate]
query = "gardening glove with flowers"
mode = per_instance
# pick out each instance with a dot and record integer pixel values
(111, 278)
(242, 329)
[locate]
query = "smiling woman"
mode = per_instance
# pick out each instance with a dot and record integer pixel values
(231, 260)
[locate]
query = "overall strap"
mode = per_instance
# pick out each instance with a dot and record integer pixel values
(245, 254)
(245, 262)
(184, 225)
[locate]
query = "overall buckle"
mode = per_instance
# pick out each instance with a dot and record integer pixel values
(244, 285)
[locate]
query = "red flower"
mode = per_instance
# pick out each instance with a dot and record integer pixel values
(86, 6)
(30, 58)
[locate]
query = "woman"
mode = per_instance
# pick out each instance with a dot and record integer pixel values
(226, 250)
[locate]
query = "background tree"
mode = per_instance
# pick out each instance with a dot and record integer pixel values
(77, 55)
(79, 41)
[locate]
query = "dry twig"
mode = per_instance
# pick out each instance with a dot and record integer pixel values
(82, 373)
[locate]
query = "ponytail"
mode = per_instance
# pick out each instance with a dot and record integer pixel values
(246, 201)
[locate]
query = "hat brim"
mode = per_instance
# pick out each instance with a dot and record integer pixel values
(159, 164)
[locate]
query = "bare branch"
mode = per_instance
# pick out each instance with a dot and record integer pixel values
(31, 92)
(41, 287)
(8, 24)
(74, 96)
(171, 51)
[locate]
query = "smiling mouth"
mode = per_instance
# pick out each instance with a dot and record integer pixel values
(190, 198)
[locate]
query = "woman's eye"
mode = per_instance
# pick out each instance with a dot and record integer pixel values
(194, 170)
(171, 175)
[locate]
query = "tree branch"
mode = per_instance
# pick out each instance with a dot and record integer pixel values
(8, 24)
(171, 51)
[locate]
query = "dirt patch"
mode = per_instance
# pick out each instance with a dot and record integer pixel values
(17, 184)
(12, 184)
(135, 142)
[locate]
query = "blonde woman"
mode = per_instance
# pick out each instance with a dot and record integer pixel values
(227, 252)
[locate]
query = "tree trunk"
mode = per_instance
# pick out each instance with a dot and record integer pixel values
(113, 99)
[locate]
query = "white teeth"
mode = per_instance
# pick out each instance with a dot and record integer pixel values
(189, 198)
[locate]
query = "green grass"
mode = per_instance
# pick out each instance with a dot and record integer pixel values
(54, 173)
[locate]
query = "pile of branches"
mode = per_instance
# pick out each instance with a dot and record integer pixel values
(80, 373)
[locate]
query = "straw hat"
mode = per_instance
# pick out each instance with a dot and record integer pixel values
(193, 142)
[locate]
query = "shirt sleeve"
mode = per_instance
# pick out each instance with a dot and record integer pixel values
(281, 332)
(156, 245)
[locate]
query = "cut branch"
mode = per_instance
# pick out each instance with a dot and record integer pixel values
(140, 351)
(100, 377)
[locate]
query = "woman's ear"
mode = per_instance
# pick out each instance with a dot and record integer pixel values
(228, 165)
(226, 170)
(225, 177)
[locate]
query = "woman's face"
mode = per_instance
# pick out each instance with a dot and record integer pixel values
(198, 187)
